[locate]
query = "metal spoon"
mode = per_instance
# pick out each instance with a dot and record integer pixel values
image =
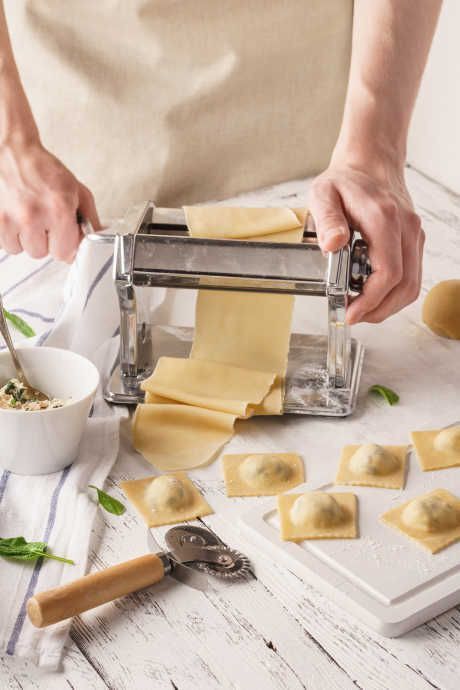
(4, 330)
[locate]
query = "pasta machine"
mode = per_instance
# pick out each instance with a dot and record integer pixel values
(155, 250)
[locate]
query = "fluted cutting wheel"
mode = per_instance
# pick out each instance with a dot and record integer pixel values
(233, 565)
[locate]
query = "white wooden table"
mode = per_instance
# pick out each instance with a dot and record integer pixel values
(273, 631)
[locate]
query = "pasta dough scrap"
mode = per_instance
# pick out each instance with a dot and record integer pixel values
(262, 474)
(318, 515)
(178, 437)
(437, 449)
(431, 520)
(373, 465)
(211, 385)
(167, 499)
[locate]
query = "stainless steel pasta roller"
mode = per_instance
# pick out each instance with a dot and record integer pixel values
(154, 249)
(193, 553)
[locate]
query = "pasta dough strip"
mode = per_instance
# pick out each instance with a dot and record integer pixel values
(238, 360)
(249, 330)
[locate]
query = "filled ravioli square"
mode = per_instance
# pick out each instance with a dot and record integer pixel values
(318, 515)
(432, 520)
(166, 499)
(262, 474)
(437, 449)
(370, 464)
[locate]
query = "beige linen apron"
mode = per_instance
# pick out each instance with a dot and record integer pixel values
(183, 101)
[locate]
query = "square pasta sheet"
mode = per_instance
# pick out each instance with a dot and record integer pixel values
(434, 540)
(437, 449)
(347, 529)
(394, 479)
(166, 499)
(262, 474)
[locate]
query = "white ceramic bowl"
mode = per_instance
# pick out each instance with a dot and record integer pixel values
(43, 441)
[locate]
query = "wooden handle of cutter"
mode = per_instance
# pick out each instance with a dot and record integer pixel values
(92, 590)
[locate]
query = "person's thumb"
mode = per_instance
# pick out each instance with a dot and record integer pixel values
(331, 224)
(87, 207)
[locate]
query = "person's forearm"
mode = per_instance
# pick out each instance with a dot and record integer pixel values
(391, 41)
(16, 119)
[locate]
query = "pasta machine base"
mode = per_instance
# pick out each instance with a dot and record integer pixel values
(306, 391)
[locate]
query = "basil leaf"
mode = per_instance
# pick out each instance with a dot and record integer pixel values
(387, 394)
(19, 324)
(109, 503)
(21, 550)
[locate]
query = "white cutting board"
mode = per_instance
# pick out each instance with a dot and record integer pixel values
(383, 578)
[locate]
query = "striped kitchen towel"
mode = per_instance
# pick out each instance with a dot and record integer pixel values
(77, 309)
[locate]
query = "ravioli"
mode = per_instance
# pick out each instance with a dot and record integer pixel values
(262, 474)
(437, 449)
(371, 464)
(166, 499)
(318, 515)
(432, 520)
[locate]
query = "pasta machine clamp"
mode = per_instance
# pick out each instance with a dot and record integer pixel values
(155, 250)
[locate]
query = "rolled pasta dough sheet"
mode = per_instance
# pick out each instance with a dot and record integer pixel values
(179, 437)
(186, 420)
(231, 222)
(211, 385)
(247, 330)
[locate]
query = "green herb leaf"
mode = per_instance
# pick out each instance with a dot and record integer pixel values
(19, 324)
(109, 503)
(22, 550)
(387, 394)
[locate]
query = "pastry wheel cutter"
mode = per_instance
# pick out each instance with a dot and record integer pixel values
(193, 553)
(153, 249)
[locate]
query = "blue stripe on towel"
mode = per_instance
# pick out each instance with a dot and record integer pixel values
(43, 338)
(99, 275)
(29, 275)
(3, 483)
(33, 314)
(19, 623)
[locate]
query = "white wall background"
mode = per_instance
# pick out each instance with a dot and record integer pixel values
(434, 138)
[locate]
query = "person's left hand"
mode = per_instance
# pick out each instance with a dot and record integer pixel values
(380, 208)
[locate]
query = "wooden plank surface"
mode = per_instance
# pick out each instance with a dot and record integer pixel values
(273, 630)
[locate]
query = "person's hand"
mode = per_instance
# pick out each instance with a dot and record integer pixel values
(380, 208)
(39, 199)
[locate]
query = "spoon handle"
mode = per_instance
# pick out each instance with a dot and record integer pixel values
(5, 331)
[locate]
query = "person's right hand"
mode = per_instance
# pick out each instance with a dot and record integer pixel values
(39, 200)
